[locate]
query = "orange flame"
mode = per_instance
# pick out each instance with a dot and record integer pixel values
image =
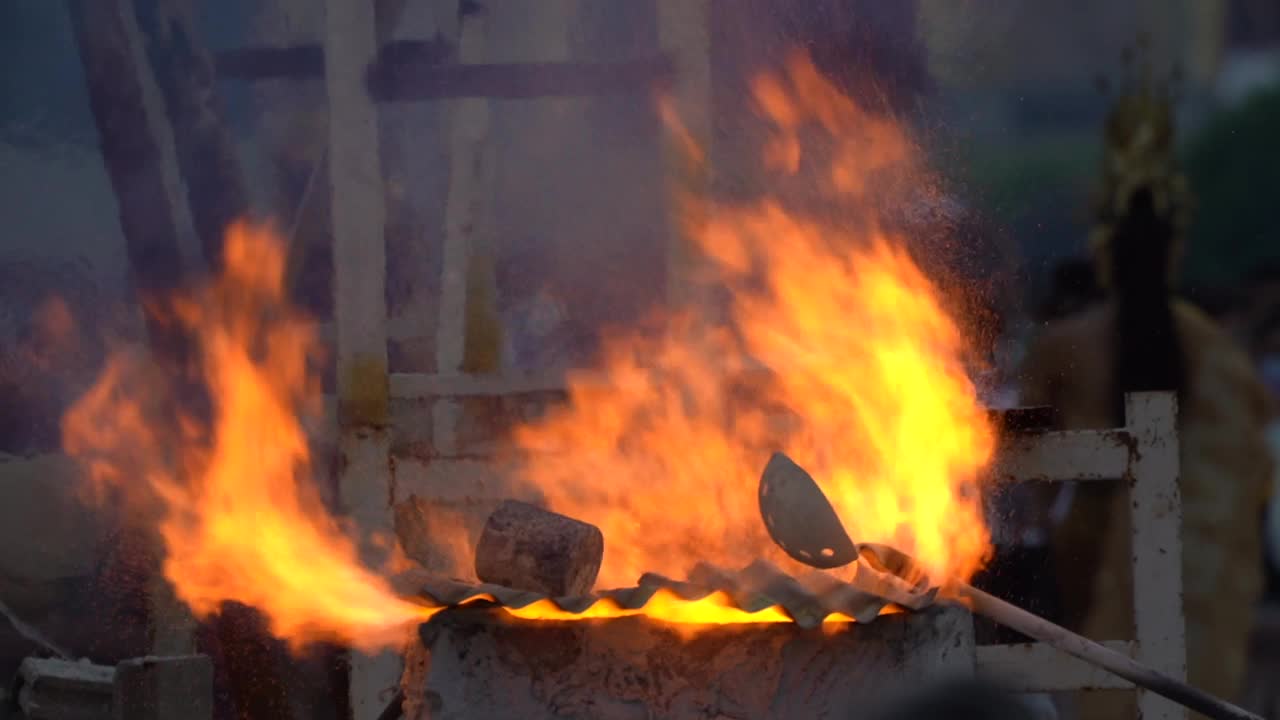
(665, 606)
(230, 495)
(837, 350)
(238, 518)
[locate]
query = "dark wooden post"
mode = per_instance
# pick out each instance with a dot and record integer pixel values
(184, 72)
(129, 133)
(131, 125)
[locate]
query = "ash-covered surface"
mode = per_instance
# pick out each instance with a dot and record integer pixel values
(808, 599)
(476, 663)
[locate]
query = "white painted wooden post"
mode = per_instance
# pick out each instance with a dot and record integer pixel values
(464, 218)
(1145, 455)
(1156, 514)
(683, 36)
(360, 313)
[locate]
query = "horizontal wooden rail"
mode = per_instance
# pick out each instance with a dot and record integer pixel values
(268, 63)
(1065, 456)
(408, 71)
(408, 82)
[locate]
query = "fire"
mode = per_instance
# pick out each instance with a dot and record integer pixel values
(238, 517)
(665, 606)
(714, 609)
(834, 347)
(230, 493)
(837, 349)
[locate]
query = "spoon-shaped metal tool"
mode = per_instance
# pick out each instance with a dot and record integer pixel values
(803, 523)
(799, 518)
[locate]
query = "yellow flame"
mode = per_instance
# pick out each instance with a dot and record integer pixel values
(238, 517)
(837, 350)
(665, 606)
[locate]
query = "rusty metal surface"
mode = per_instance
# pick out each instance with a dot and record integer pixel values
(808, 599)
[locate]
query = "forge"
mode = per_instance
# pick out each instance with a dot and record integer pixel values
(479, 663)
(499, 652)
(758, 642)
(502, 653)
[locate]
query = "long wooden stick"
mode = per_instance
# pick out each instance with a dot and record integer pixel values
(1016, 618)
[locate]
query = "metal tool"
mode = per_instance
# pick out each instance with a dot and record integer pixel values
(803, 523)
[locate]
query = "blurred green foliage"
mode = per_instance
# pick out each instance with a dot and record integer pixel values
(1233, 165)
(1035, 188)
(1039, 189)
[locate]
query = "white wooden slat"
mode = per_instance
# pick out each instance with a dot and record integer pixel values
(1036, 668)
(358, 199)
(358, 209)
(366, 487)
(465, 209)
(1156, 516)
(469, 132)
(1065, 456)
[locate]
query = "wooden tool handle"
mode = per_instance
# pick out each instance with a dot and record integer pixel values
(1016, 618)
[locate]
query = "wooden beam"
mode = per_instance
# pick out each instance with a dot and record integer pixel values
(131, 137)
(358, 215)
(409, 82)
(1155, 513)
(387, 15)
(139, 160)
(415, 147)
(683, 36)
(1065, 456)
(418, 70)
(301, 62)
(206, 153)
(407, 71)
(358, 211)
(216, 197)
(466, 216)
(306, 62)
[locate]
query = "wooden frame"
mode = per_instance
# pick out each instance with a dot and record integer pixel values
(360, 72)
(1143, 455)
(358, 207)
